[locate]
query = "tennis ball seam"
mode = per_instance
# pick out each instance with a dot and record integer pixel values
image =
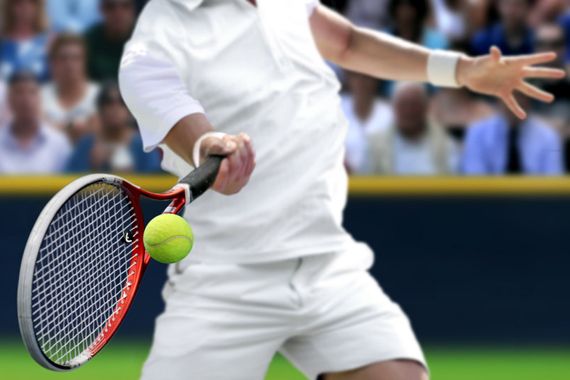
(168, 240)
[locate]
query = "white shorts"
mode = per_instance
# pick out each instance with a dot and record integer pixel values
(325, 313)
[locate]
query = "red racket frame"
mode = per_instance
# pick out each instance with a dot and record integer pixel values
(140, 258)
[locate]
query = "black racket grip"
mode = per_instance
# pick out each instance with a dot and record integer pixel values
(201, 179)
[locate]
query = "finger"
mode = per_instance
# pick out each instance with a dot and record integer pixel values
(215, 146)
(241, 156)
(514, 106)
(250, 153)
(543, 72)
(230, 144)
(533, 59)
(234, 166)
(242, 152)
(222, 179)
(495, 53)
(535, 92)
(251, 157)
(250, 161)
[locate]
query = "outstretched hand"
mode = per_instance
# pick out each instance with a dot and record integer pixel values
(501, 76)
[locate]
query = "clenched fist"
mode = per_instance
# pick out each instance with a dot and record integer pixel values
(238, 165)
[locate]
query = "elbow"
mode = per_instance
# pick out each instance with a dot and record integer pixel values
(344, 52)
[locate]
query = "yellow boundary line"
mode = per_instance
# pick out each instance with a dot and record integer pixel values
(460, 186)
(359, 186)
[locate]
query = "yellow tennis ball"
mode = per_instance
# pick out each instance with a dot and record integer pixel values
(168, 238)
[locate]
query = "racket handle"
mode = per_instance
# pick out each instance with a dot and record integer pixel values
(201, 179)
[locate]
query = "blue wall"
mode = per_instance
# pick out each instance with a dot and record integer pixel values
(488, 270)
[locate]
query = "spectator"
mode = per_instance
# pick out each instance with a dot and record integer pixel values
(413, 145)
(73, 15)
(27, 144)
(105, 40)
(503, 144)
(546, 11)
(456, 109)
(366, 115)
(369, 13)
(565, 22)
(479, 14)
(4, 112)
(511, 34)
(140, 4)
(410, 23)
(116, 146)
(24, 42)
(69, 100)
(551, 37)
(450, 18)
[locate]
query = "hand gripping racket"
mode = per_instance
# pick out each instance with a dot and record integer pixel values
(84, 261)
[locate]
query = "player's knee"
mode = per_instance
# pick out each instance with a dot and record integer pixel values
(393, 370)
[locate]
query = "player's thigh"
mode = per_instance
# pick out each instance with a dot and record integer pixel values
(218, 325)
(391, 370)
(353, 323)
(188, 347)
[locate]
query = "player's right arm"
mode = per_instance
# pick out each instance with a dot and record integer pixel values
(235, 170)
(167, 114)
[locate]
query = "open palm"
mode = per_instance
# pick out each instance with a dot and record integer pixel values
(501, 76)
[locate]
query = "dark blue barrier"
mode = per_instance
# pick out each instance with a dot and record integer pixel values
(490, 270)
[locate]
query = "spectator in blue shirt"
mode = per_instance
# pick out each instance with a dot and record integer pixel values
(502, 144)
(25, 39)
(511, 34)
(73, 15)
(116, 146)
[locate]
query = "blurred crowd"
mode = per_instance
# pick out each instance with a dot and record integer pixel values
(61, 110)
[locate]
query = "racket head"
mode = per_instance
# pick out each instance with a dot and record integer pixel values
(80, 270)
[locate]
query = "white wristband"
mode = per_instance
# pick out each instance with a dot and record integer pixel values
(442, 68)
(197, 146)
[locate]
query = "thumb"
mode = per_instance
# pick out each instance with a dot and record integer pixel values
(495, 54)
(216, 146)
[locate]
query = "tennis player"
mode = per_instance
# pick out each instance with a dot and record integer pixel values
(273, 270)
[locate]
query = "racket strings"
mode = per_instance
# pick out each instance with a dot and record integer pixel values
(82, 268)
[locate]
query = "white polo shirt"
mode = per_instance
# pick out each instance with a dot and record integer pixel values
(255, 70)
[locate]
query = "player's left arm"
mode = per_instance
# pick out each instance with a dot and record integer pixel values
(387, 57)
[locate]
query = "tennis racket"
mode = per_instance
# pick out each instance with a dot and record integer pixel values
(84, 261)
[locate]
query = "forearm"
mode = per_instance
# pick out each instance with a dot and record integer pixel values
(184, 135)
(379, 54)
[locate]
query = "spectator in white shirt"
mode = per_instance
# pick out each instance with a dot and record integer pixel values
(69, 101)
(27, 144)
(367, 114)
(413, 145)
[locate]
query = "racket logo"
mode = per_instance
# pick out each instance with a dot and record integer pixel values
(128, 237)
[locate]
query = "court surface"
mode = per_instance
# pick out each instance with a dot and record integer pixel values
(123, 361)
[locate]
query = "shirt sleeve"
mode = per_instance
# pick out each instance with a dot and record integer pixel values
(155, 94)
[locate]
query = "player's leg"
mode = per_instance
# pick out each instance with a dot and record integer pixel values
(391, 370)
(222, 322)
(354, 331)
